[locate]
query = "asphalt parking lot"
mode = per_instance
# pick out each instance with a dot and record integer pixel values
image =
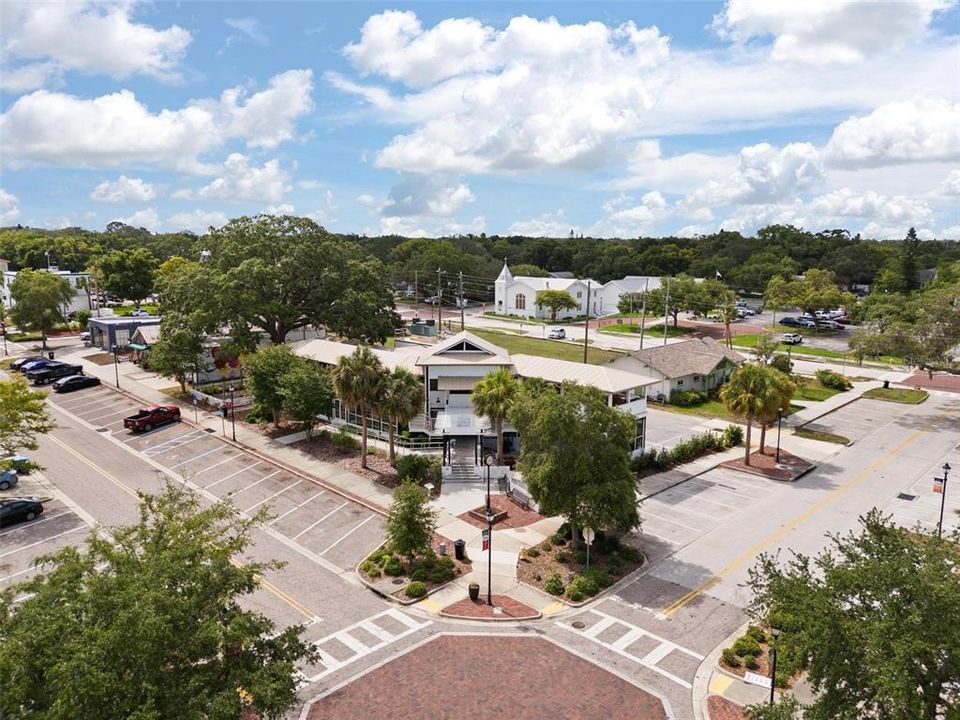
(328, 524)
(666, 429)
(858, 419)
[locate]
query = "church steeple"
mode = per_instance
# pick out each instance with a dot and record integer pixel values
(505, 276)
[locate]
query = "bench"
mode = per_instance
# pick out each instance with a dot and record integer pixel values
(519, 497)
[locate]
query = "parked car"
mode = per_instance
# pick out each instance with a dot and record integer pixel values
(791, 338)
(8, 478)
(789, 321)
(806, 322)
(20, 362)
(150, 417)
(53, 372)
(432, 300)
(843, 320)
(14, 510)
(37, 364)
(75, 382)
(85, 336)
(138, 312)
(18, 463)
(557, 334)
(830, 324)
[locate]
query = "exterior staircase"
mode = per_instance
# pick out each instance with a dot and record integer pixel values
(461, 472)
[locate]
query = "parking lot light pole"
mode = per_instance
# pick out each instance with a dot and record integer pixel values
(233, 416)
(779, 423)
(943, 498)
(116, 364)
(488, 461)
(773, 661)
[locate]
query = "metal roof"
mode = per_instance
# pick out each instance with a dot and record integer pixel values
(604, 378)
(329, 352)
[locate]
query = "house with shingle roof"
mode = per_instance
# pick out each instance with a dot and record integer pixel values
(698, 364)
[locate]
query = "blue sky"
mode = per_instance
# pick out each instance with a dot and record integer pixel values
(608, 118)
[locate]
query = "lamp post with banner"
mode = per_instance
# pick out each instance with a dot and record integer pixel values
(488, 534)
(940, 486)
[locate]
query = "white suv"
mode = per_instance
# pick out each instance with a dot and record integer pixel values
(557, 334)
(791, 338)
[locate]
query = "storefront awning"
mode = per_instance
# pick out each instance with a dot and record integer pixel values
(457, 383)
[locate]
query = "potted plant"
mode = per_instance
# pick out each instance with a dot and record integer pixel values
(474, 592)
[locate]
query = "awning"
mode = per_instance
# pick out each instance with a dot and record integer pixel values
(457, 383)
(136, 346)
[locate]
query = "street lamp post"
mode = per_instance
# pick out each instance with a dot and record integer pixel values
(943, 497)
(488, 461)
(779, 422)
(233, 415)
(773, 661)
(116, 363)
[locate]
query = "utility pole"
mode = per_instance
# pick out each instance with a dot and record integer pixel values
(643, 312)
(416, 292)
(666, 312)
(463, 322)
(586, 328)
(439, 305)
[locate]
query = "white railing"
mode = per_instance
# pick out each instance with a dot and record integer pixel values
(636, 407)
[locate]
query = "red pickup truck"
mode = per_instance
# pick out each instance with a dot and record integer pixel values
(149, 418)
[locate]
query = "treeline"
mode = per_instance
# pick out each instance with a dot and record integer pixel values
(746, 262)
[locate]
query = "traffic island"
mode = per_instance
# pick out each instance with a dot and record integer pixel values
(504, 608)
(789, 468)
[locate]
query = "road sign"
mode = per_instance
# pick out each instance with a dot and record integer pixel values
(588, 535)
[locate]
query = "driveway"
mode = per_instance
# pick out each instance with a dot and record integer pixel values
(666, 429)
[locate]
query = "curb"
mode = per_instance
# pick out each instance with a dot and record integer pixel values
(525, 618)
(645, 565)
(701, 679)
(388, 596)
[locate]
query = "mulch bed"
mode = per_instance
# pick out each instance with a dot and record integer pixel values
(719, 708)
(790, 468)
(535, 570)
(510, 609)
(482, 677)
(378, 466)
(516, 516)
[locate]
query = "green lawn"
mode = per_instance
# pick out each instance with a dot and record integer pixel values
(712, 408)
(822, 436)
(547, 348)
(808, 389)
(651, 331)
(748, 341)
(125, 310)
(899, 395)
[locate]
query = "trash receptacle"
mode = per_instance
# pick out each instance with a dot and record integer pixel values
(886, 384)
(442, 549)
(459, 549)
(50, 354)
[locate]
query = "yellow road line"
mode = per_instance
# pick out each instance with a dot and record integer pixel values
(267, 585)
(749, 554)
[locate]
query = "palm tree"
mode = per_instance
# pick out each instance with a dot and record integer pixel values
(728, 313)
(779, 393)
(358, 379)
(492, 397)
(747, 393)
(401, 401)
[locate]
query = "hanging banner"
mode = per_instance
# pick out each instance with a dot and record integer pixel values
(486, 539)
(938, 485)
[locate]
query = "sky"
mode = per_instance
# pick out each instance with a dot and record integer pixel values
(611, 119)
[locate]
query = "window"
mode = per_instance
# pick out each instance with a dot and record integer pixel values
(679, 382)
(579, 294)
(521, 301)
(639, 434)
(434, 383)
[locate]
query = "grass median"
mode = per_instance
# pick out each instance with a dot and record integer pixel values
(559, 350)
(907, 396)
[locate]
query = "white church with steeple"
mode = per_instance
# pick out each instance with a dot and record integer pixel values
(516, 295)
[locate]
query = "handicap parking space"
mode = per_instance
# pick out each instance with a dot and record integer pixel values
(317, 517)
(666, 429)
(858, 419)
(20, 544)
(692, 508)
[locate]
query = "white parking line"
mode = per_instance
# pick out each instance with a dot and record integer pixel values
(171, 442)
(159, 428)
(243, 469)
(647, 513)
(273, 496)
(155, 450)
(98, 418)
(32, 568)
(244, 489)
(699, 496)
(225, 460)
(344, 537)
(43, 518)
(195, 457)
(41, 542)
(311, 527)
(281, 517)
(71, 408)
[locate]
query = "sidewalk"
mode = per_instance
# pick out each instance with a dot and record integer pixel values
(814, 410)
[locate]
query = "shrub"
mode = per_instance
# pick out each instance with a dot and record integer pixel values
(580, 555)
(756, 633)
(538, 577)
(393, 567)
(442, 574)
(645, 460)
(370, 568)
(746, 645)
(415, 590)
(343, 440)
(532, 552)
(599, 576)
(833, 380)
(630, 554)
(750, 662)
(732, 435)
(564, 557)
(687, 398)
(581, 587)
(420, 575)
(615, 565)
(418, 468)
(554, 585)
(379, 557)
(83, 317)
(558, 539)
(782, 363)
(730, 658)
(547, 546)
(446, 562)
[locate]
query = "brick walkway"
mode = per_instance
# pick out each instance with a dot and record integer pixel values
(939, 381)
(511, 609)
(516, 515)
(479, 678)
(719, 708)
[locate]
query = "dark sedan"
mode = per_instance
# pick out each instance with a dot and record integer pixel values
(789, 321)
(14, 510)
(75, 382)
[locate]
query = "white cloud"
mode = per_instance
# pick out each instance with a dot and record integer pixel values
(844, 204)
(678, 174)
(29, 77)
(309, 184)
(87, 37)
(428, 227)
(123, 189)
(949, 233)
(116, 129)
(366, 199)
(536, 94)
(197, 221)
(842, 31)
(146, 218)
(876, 231)
(922, 129)
(551, 225)
(9, 207)
(951, 185)
(249, 28)
(241, 182)
(417, 195)
(282, 209)
(764, 174)
(624, 217)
